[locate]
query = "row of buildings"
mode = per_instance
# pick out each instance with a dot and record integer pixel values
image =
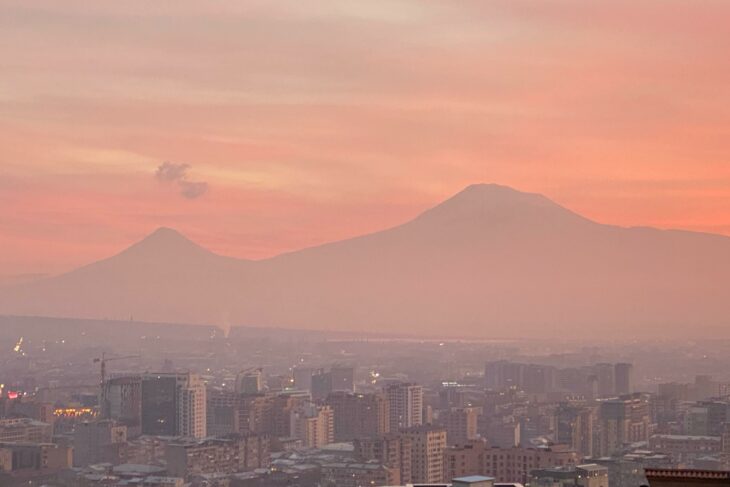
(598, 380)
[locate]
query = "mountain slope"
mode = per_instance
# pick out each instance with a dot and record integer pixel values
(490, 261)
(165, 275)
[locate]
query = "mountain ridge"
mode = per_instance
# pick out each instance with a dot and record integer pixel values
(490, 258)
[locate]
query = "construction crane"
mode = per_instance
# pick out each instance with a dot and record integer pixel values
(103, 360)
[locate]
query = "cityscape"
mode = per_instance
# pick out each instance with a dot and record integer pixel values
(365, 243)
(175, 405)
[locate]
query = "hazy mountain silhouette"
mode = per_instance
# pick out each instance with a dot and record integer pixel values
(488, 262)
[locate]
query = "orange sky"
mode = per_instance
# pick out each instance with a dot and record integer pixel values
(313, 121)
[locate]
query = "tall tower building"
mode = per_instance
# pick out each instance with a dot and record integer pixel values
(124, 403)
(406, 405)
(574, 427)
(313, 424)
(623, 420)
(428, 444)
(191, 408)
(159, 404)
(622, 378)
(173, 405)
(605, 379)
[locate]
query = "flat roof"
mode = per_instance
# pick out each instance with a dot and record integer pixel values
(472, 478)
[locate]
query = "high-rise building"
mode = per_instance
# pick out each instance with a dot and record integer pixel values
(428, 444)
(343, 378)
(460, 424)
(405, 402)
(222, 412)
(704, 387)
(282, 407)
(302, 378)
(173, 405)
(191, 408)
(321, 384)
(539, 379)
(338, 378)
(159, 404)
(622, 378)
(250, 382)
(255, 413)
(623, 420)
(313, 424)
(452, 396)
(503, 374)
(359, 415)
(605, 379)
(574, 427)
(123, 403)
(717, 414)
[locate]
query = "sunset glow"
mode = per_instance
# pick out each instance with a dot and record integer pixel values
(305, 122)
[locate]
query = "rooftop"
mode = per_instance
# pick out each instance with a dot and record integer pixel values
(473, 479)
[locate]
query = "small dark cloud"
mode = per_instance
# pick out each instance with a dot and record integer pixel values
(177, 173)
(193, 189)
(170, 171)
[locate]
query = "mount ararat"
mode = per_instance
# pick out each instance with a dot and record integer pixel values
(490, 262)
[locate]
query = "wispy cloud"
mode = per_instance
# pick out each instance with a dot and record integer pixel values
(177, 173)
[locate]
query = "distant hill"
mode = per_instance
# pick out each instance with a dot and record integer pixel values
(489, 262)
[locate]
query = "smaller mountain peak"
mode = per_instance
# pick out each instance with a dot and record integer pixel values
(165, 232)
(484, 187)
(165, 235)
(165, 239)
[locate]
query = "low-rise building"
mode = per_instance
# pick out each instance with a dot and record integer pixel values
(686, 448)
(25, 430)
(515, 464)
(589, 475)
(217, 455)
(356, 475)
